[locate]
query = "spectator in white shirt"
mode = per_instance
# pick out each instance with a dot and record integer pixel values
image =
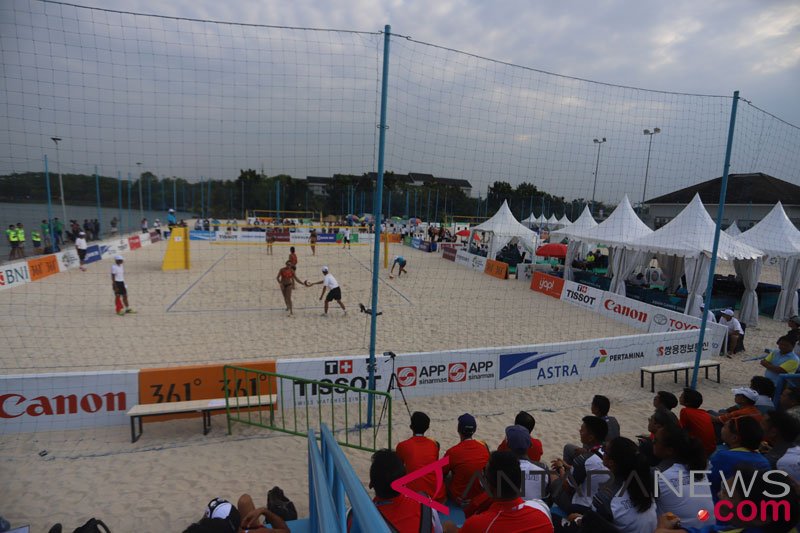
(80, 246)
(735, 330)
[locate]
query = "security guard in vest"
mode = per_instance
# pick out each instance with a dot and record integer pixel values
(21, 239)
(11, 235)
(36, 239)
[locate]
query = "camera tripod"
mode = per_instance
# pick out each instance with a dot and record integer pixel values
(393, 384)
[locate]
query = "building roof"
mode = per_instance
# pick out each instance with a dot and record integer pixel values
(454, 182)
(396, 177)
(417, 176)
(756, 188)
(318, 179)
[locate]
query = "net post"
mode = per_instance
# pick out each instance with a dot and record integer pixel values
(379, 202)
(720, 213)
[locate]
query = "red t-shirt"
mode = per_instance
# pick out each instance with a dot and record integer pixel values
(401, 511)
(697, 423)
(514, 516)
(416, 452)
(467, 459)
(534, 452)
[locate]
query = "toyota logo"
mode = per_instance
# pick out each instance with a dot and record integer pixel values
(660, 319)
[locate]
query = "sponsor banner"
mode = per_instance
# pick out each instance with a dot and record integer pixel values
(299, 238)
(326, 237)
(582, 295)
(134, 242)
(144, 239)
(13, 274)
(366, 238)
(496, 269)
(155, 237)
(254, 236)
(449, 253)
(549, 285)
(74, 400)
(407, 240)
(475, 262)
(427, 246)
(68, 259)
(627, 310)
(197, 382)
(666, 320)
(194, 235)
(419, 374)
(94, 254)
(525, 271)
(576, 361)
(280, 236)
(415, 242)
(41, 267)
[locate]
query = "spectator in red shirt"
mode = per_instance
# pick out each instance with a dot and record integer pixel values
(420, 451)
(401, 513)
(467, 459)
(527, 421)
(696, 421)
(508, 513)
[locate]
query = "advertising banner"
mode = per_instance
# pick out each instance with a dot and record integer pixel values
(41, 267)
(144, 239)
(134, 242)
(496, 269)
(299, 238)
(13, 274)
(280, 236)
(67, 259)
(427, 246)
(155, 237)
(449, 253)
(549, 285)
(415, 242)
(582, 295)
(627, 310)
(420, 374)
(326, 237)
(93, 254)
(475, 262)
(197, 235)
(525, 271)
(74, 400)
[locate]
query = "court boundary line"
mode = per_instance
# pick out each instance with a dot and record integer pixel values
(198, 280)
(365, 267)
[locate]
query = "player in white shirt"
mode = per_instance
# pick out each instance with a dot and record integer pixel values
(346, 239)
(330, 284)
(118, 284)
(80, 246)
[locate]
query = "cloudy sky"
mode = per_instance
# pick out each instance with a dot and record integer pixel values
(218, 97)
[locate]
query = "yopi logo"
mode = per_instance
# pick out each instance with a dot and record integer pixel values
(546, 284)
(407, 376)
(457, 372)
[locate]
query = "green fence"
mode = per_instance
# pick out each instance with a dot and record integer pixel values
(276, 405)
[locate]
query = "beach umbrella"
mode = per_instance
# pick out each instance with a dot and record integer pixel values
(552, 250)
(463, 233)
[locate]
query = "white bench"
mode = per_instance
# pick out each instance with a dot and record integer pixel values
(675, 368)
(193, 406)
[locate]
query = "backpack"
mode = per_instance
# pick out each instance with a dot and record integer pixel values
(93, 525)
(278, 503)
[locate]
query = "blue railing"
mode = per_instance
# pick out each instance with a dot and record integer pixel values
(330, 477)
(782, 379)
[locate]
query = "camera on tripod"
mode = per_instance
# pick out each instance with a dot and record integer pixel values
(390, 354)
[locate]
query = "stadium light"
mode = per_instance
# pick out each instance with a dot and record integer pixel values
(599, 143)
(647, 167)
(60, 180)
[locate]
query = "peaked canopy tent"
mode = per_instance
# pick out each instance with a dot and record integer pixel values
(777, 237)
(620, 228)
(690, 236)
(530, 221)
(552, 222)
(564, 221)
(503, 229)
(583, 223)
(733, 230)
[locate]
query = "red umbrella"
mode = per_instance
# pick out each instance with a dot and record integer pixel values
(464, 233)
(552, 250)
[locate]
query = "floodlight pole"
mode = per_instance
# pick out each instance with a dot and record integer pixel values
(60, 180)
(647, 167)
(599, 143)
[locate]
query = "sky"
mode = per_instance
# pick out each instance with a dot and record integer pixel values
(217, 98)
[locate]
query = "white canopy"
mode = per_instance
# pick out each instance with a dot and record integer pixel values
(504, 227)
(564, 221)
(530, 221)
(733, 230)
(620, 228)
(778, 237)
(552, 222)
(584, 222)
(690, 235)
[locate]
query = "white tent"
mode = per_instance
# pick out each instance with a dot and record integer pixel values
(541, 221)
(690, 236)
(503, 228)
(530, 221)
(777, 237)
(564, 221)
(620, 228)
(552, 222)
(583, 223)
(733, 230)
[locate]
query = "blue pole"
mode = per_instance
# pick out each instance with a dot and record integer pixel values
(130, 188)
(376, 246)
(97, 191)
(119, 191)
(720, 213)
(50, 224)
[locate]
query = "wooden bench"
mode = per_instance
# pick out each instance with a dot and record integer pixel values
(675, 368)
(205, 407)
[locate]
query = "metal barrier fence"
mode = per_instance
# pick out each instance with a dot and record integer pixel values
(330, 478)
(270, 400)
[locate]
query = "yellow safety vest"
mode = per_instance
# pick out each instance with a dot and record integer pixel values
(36, 237)
(12, 235)
(20, 234)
